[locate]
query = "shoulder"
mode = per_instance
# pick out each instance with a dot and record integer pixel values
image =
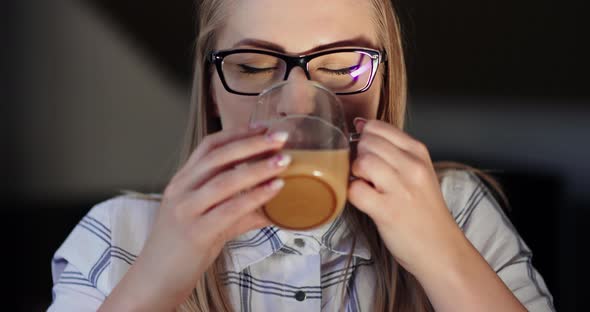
(464, 191)
(122, 220)
(488, 228)
(131, 204)
(106, 241)
(480, 216)
(130, 217)
(458, 186)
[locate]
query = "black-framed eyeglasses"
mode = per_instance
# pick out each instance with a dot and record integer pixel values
(342, 70)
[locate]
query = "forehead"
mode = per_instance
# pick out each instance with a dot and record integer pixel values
(298, 25)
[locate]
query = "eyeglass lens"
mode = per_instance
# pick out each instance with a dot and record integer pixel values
(341, 72)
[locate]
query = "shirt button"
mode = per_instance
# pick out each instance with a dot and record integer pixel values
(299, 242)
(300, 295)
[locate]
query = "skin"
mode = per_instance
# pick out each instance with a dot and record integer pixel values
(210, 201)
(331, 22)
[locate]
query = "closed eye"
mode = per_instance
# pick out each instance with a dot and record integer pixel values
(339, 71)
(254, 70)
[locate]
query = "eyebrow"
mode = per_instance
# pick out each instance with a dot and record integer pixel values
(267, 45)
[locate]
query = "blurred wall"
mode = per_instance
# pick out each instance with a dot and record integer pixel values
(524, 134)
(94, 114)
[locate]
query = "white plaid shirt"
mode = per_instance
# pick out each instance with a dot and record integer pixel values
(277, 270)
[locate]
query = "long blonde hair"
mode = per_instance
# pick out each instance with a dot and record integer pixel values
(396, 288)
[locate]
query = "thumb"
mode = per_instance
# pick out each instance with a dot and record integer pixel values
(359, 124)
(252, 221)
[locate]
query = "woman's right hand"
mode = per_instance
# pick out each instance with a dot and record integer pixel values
(208, 202)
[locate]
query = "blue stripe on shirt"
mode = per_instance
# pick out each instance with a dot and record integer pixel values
(131, 257)
(236, 274)
(97, 228)
(114, 255)
(72, 273)
(253, 284)
(76, 283)
(246, 286)
(258, 242)
(91, 230)
(247, 241)
(99, 266)
(99, 223)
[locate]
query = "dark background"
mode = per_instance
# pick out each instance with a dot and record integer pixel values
(95, 100)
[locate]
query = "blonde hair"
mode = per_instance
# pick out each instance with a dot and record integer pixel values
(396, 288)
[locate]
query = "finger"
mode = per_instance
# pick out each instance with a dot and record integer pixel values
(393, 155)
(227, 156)
(234, 209)
(233, 181)
(396, 137)
(375, 170)
(223, 137)
(252, 221)
(365, 198)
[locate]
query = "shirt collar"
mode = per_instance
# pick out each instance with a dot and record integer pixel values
(256, 245)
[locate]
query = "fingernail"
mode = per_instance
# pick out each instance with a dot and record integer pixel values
(257, 126)
(359, 123)
(279, 137)
(276, 184)
(281, 160)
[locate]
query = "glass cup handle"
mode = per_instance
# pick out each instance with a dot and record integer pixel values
(354, 137)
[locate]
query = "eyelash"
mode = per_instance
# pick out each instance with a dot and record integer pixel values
(253, 70)
(342, 71)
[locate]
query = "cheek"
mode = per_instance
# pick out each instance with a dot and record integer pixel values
(234, 110)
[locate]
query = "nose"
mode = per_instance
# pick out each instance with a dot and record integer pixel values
(297, 73)
(297, 96)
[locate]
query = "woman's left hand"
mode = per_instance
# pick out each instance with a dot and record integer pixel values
(399, 190)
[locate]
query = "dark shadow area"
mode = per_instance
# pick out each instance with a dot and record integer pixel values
(41, 226)
(166, 30)
(459, 47)
(499, 48)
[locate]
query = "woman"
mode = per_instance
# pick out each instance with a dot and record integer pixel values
(414, 239)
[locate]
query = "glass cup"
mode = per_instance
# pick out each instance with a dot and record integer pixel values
(316, 181)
